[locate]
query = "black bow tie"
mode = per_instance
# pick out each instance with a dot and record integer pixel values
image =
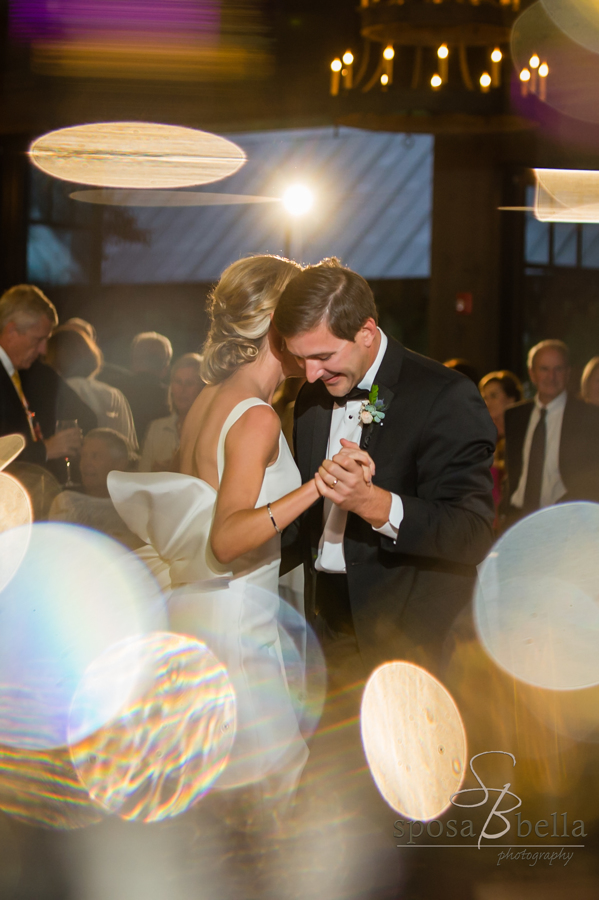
(356, 393)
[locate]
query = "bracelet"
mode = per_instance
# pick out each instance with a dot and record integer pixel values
(272, 519)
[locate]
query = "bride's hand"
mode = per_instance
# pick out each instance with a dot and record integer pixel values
(353, 451)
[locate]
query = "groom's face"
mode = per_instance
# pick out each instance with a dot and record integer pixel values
(340, 364)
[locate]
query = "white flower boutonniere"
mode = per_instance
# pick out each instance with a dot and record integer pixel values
(373, 409)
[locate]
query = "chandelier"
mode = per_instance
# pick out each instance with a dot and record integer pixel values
(430, 65)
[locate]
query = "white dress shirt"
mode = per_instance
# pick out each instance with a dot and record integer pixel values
(345, 423)
(7, 362)
(552, 486)
(161, 443)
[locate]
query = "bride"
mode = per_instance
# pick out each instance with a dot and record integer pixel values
(213, 531)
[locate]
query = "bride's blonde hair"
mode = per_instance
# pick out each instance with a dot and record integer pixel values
(240, 308)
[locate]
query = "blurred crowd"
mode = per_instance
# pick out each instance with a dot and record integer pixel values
(83, 417)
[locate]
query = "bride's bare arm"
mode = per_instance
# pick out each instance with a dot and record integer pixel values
(251, 445)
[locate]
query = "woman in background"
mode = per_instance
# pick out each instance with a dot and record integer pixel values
(76, 356)
(499, 390)
(589, 383)
(163, 436)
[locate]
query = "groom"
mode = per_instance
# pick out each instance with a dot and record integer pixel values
(390, 564)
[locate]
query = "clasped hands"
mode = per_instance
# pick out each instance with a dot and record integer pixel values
(346, 480)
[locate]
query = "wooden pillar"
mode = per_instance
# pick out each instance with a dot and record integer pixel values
(14, 199)
(466, 252)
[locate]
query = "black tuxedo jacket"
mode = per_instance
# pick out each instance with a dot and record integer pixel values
(434, 450)
(578, 449)
(13, 420)
(50, 398)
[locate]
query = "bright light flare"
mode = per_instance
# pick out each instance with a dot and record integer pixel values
(535, 607)
(75, 594)
(496, 55)
(384, 79)
(525, 75)
(414, 739)
(534, 61)
(336, 65)
(443, 51)
(171, 742)
(567, 195)
(136, 155)
(436, 81)
(485, 80)
(388, 52)
(348, 58)
(10, 447)
(298, 200)
(543, 70)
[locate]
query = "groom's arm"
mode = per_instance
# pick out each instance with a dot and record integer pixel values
(452, 513)
(451, 516)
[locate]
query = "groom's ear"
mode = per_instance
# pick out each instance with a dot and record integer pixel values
(368, 331)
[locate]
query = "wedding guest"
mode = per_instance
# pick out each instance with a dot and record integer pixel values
(499, 390)
(463, 367)
(589, 383)
(76, 356)
(551, 441)
(163, 436)
(104, 450)
(145, 385)
(27, 318)
(82, 325)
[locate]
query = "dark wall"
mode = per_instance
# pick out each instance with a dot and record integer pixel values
(118, 312)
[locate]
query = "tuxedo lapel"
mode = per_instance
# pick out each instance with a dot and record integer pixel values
(370, 433)
(386, 379)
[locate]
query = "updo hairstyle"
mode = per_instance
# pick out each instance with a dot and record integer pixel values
(240, 307)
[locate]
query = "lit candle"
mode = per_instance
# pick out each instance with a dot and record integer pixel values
(543, 73)
(443, 54)
(347, 71)
(388, 56)
(384, 81)
(335, 77)
(534, 63)
(485, 82)
(436, 82)
(496, 57)
(524, 81)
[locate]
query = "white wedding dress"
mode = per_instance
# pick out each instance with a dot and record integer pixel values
(233, 610)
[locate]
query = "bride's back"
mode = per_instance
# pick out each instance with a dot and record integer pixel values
(202, 429)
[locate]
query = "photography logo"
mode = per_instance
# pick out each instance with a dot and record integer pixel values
(499, 805)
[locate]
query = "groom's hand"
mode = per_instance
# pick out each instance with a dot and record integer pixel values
(341, 479)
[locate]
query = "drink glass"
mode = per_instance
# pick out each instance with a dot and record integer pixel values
(65, 425)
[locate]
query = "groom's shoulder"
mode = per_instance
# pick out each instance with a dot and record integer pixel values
(428, 374)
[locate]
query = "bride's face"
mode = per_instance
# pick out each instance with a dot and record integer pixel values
(289, 364)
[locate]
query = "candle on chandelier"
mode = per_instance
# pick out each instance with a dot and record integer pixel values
(436, 82)
(335, 77)
(485, 82)
(543, 73)
(496, 57)
(443, 54)
(524, 82)
(388, 57)
(534, 62)
(347, 71)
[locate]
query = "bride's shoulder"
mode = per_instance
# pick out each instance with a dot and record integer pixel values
(255, 418)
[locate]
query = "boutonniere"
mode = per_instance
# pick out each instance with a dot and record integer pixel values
(373, 409)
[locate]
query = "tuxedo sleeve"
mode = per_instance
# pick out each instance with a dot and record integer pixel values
(452, 514)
